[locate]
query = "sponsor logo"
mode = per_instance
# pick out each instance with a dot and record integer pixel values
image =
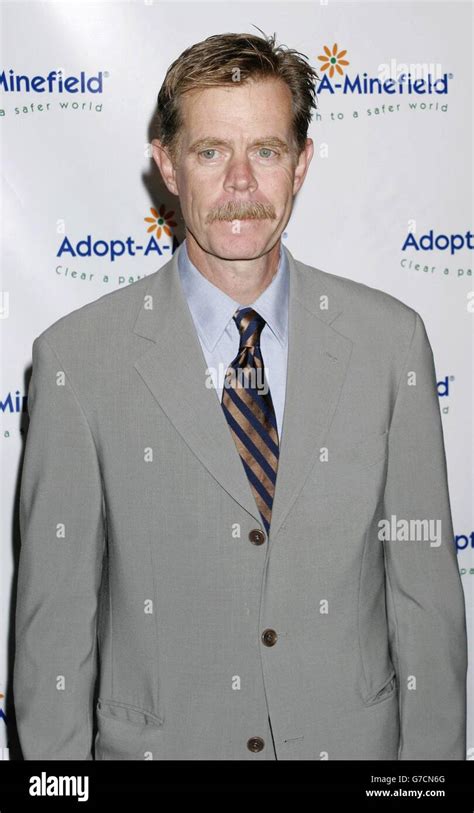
(392, 78)
(53, 82)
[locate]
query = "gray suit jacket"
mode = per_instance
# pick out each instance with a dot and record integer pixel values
(140, 563)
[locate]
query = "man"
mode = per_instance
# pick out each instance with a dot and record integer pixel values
(236, 540)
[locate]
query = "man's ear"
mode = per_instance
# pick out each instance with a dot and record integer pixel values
(302, 166)
(165, 164)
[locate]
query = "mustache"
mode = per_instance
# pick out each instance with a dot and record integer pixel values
(242, 210)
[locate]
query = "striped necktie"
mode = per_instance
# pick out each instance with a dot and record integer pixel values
(249, 411)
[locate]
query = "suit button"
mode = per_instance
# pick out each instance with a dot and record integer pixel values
(255, 744)
(269, 637)
(257, 537)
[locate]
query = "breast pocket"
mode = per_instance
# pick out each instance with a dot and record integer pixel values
(349, 464)
(365, 452)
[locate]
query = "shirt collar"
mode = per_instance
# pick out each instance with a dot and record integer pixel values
(212, 309)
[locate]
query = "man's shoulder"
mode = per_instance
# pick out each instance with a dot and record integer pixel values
(109, 317)
(357, 305)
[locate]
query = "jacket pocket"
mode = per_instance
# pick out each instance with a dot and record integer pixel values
(371, 449)
(126, 713)
(386, 691)
(350, 466)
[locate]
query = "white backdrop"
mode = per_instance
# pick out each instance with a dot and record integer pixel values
(387, 201)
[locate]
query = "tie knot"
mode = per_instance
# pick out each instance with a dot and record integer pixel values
(250, 325)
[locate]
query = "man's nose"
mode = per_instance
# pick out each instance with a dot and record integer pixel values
(240, 174)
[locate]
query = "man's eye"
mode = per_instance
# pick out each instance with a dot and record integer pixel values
(210, 149)
(267, 149)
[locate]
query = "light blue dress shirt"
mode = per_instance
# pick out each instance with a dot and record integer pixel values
(212, 311)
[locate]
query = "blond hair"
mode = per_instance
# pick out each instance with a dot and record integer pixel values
(216, 61)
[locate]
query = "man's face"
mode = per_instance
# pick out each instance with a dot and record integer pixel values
(237, 171)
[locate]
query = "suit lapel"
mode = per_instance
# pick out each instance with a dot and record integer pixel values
(173, 368)
(318, 360)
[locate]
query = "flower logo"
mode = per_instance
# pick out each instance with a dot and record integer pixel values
(160, 221)
(332, 60)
